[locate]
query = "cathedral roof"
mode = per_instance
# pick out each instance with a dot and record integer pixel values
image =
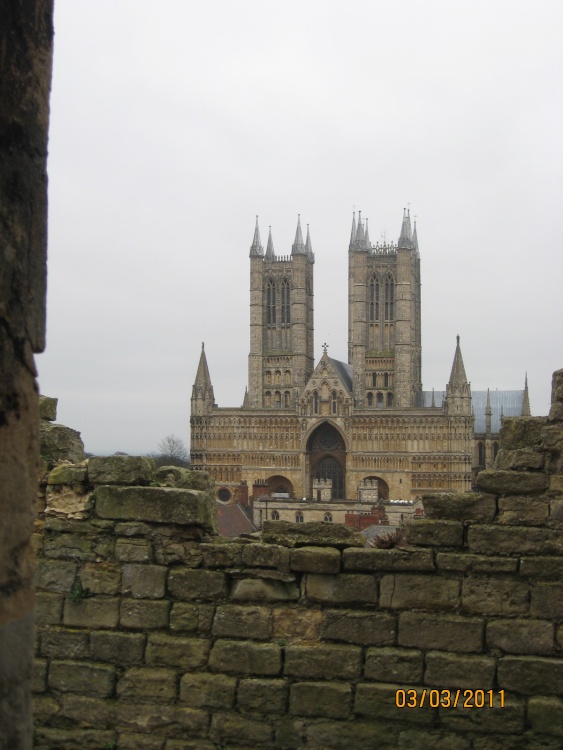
(345, 371)
(505, 403)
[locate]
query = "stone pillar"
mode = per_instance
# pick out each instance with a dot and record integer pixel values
(26, 35)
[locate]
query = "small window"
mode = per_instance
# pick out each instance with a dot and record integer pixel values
(379, 400)
(370, 399)
(334, 403)
(224, 495)
(299, 517)
(374, 380)
(328, 517)
(386, 380)
(389, 399)
(286, 399)
(277, 400)
(315, 402)
(275, 515)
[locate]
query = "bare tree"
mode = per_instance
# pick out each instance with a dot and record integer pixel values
(172, 451)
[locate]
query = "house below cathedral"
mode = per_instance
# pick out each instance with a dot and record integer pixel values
(343, 441)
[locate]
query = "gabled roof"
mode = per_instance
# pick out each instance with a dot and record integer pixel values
(345, 372)
(232, 520)
(336, 369)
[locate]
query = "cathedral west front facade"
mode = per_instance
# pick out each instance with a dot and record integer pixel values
(315, 441)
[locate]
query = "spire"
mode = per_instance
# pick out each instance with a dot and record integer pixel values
(308, 246)
(298, 247)
(256, 247)
(245, 401)
(526, 411)
(359, 233)
(415, 238)
(458, 391)
(202, 391)
(405, 240)
(270, 255)
(488, 414)
(353, 233)
(367, 243)
(458, 376)
(488, 409)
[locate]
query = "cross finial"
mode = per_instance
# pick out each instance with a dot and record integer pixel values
(325, 348)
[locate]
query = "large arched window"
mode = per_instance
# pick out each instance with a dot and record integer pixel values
(299, 517)
(389, 298)
(374, 299)
(271, 303)
(285, 302)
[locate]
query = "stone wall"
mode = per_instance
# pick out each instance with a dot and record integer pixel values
(26, 34)
(154, 633)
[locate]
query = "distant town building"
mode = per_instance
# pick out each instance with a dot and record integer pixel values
(343, 439)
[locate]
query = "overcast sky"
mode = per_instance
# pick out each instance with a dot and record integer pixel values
(174, 123)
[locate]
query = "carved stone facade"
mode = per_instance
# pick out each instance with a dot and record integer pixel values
(322, 434)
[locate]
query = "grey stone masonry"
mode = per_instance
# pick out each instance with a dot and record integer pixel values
(156, 633)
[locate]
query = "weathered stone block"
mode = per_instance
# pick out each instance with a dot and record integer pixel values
(59, 443)
(511, 482)
(521, 432)
(265, 696)
(144, 717)
(48, 408)
(444, 632)
(68, 739)
(133, 528)
(101, 577)
(140, 614)
(302, 624)
(514, 540)
(552, 436)
(312, 534)
(243, 622)
(494, 597)
(459, 562)
(546, 715)
(68, 474)
(347, 588)
(434, 533)
(133, 550)
(217, 555)
(185, 479)
(359, 735)
(394, 665)
(72, 502)
(63, 643)
(404, 591)
(39, 676)
(174, 651)
(117, 648)
(454, 671)
(91, 712)
(331, 700)
(132, 470)
(523, 511)
(44, 707)
(48, 608)
(418, 739)
(531, 675)
(136, 741)
(460, 506)
(191, 618)
(156, 505)
(399, 558)
(266, 556)
(98, 612)
(519, 459)
(144, 581)
(508, 720)
(70, 546)
(229, 728)
(556, 510)
(197, 584)
(81, 677)
(263, 590)
(323, 662)
(315, 560)
(542, 567)
(365, 628)
(547, 601)
(379, 701)
(243, 657)
(521, 636)
(211, 691)
(55, 575)
(152, 684)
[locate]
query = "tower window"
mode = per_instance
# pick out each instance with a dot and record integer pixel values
(374, 380)
(386, 380)
(271, 303)
(379, 400)
(286, 399)
(370, 399)
(374, 299)
(389, 399)
(389, 298)
(277, 400)
(285, 302)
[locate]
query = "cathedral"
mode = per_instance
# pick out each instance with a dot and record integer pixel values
(335, 439)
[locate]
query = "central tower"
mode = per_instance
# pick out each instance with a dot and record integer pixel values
(384, 341)
(281, 355)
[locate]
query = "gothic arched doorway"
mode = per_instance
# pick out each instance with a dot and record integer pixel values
(326, 454)
(279, 485)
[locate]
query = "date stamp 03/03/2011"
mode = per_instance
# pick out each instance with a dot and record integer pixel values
(449, 698)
